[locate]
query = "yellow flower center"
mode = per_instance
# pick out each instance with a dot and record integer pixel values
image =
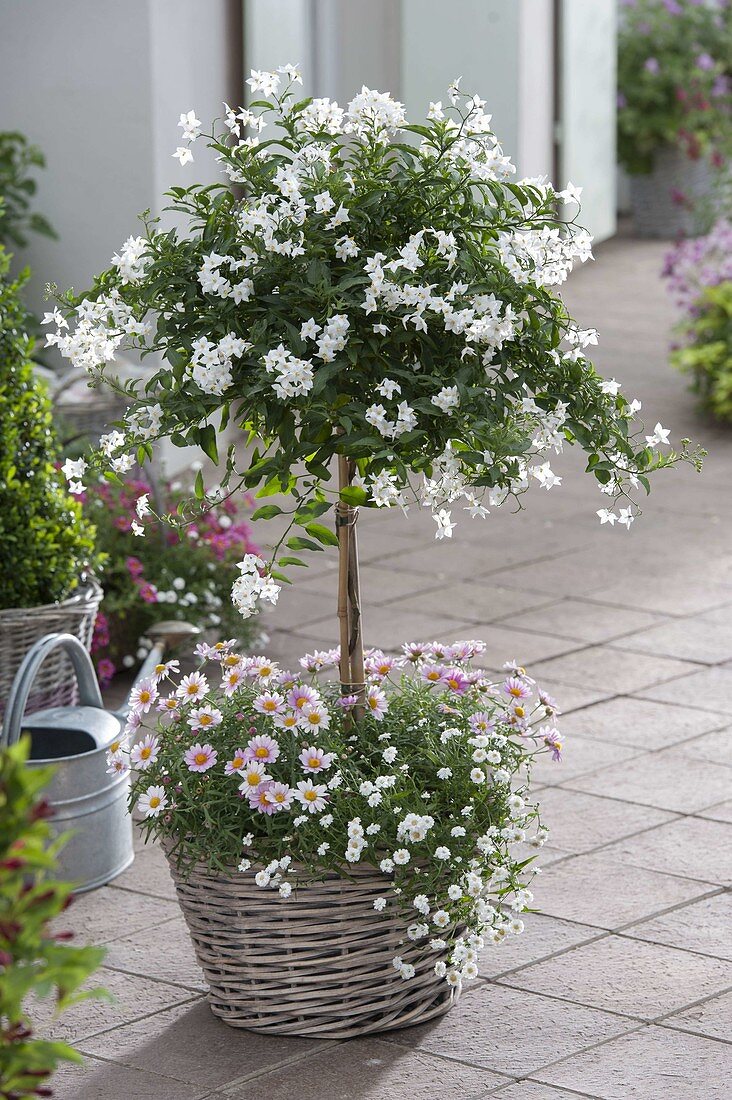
(314, 762)
(231, 660)
(237, 762)
(261, 752)
(311, 796)
(115, 746)
(171, 704)
(516, 692)
(201, 757)
(192, 689)
(314, 719)
(154, 802)
(144, 696)
(205, 720)
(290, 720)
(433, 676)
(519, 711)
(279, 797)
(270, 704)
(265, 671)
(145, 752)
(253, 779)
(159, 669)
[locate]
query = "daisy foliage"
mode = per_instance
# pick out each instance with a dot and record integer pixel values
(365, 286)
(256, 771)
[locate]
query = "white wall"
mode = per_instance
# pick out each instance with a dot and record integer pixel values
(99, 85)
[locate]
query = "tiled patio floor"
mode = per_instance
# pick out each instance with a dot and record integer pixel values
(622, 986)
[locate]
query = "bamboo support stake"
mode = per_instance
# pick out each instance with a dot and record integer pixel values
(349, 595)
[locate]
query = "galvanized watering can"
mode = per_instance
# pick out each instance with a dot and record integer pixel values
(75, 740)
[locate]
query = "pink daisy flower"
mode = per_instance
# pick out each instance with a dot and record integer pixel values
(312, 796)
(280, 795)
(262, 669)
(254, 775)
(168, 704)
(286, 720)
(237, 764)
(347, 701)
(269, 702)
(301, 695)
(315, 760)
(192, 688)
(204, 718)
(481, 722)
(232, 681)
(376, 704)
(259, 800)
(516, 688)
(380, 665)
(431, 674)
(414, 651)
(143, 695)
(199, 758)
(314, 717)
(263, 749)
(455, 680)
(145, 752)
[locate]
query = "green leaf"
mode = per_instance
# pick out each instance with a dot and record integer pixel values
(297, 543)
(322, 534)
(290, 560)
(354, 495)
(207, 441)
(267, 511)
(198, 488)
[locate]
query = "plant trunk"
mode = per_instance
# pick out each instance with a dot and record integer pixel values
(349, 594)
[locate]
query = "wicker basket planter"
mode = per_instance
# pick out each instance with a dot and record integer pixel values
(655, 213)
(21, 627)
(318, 964)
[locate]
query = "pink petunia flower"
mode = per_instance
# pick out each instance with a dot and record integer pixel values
(199, 758)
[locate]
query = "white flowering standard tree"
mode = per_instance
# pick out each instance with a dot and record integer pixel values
(369, 292)
(376, 300)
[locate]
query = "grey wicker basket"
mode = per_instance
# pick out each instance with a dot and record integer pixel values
(21, 627)
(316, 964)
(654, 196)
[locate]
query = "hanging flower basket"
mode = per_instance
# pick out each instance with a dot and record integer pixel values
(666, 201)
(21, 627)
(319, 965)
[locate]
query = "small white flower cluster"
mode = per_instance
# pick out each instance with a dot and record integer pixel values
(211, 363)
(213, 282)
(294, 376)
(252, 586)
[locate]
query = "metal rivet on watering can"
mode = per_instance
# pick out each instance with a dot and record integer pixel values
(75, 740)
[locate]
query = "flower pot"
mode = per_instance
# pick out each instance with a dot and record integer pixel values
(317, 964)
(21, 627)
(664, 200)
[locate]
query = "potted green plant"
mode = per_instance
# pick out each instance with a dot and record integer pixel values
(34, 959)
(372, 299)
(47, 545)
(674, 107)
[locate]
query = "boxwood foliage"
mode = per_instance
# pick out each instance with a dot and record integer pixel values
(45, 543)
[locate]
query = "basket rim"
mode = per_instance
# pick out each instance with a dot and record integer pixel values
(87, 594)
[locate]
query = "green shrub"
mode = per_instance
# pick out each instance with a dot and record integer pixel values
(17, 188)
(707, 350)
(33, 960)
(45, 541)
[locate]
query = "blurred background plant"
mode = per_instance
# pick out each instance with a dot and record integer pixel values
(674, 87)
(47, 544)
(18, 159)
(169, 574)
(35, 961)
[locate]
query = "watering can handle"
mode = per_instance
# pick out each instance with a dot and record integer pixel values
(89, 694)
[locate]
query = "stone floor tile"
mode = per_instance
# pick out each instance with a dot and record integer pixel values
(572, 698)
(472, 601)
(512, 1032)
(606, 893)
(692, 639)
(584, 620)
(658, 595)
(542, 937)
(388, 630)
(710, 689)
(713, 1018)
(704, 926)
(644, 980)
(506, 643)
(672, 779)
(650, 1064)
(367, 1069)
(721, 812)
(95, 1080)
(628, 720)
(580, 756)
(190, 1044)
(581, 822)
(626, 672)
(148, 874)
(130, 999)
(534, 1090)
(689, 846)
(108, 913)
(570, 574)
(715, 746)
(164, 953)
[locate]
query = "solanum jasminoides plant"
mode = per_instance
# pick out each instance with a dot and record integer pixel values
(257, 768)
(366, 290)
